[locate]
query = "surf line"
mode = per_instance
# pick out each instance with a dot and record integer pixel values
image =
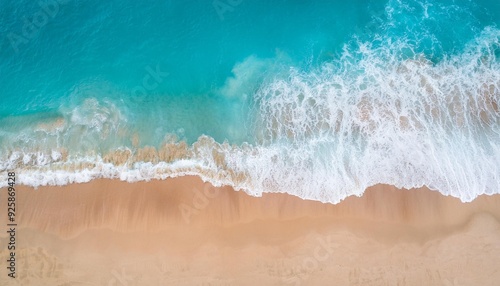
(11, 224)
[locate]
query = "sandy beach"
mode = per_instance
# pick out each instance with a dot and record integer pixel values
(185, 232)
(311, 118)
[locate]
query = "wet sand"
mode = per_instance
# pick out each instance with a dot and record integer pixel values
(185, 232)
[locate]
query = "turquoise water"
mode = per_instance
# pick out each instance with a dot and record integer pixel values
(316, 98)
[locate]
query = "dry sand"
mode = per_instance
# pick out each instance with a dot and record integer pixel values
(184, 232)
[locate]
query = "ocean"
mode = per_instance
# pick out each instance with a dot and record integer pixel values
(318, 99)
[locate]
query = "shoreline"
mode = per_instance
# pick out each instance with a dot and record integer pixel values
(183, 231)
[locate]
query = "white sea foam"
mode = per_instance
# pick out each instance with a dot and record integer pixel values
(385, 119)
(371, 117)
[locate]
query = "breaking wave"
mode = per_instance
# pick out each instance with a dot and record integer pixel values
(381, 113)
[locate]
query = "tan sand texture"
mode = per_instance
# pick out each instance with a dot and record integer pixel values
(185, 232)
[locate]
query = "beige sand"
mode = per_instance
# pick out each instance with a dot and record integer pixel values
(184, 232)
